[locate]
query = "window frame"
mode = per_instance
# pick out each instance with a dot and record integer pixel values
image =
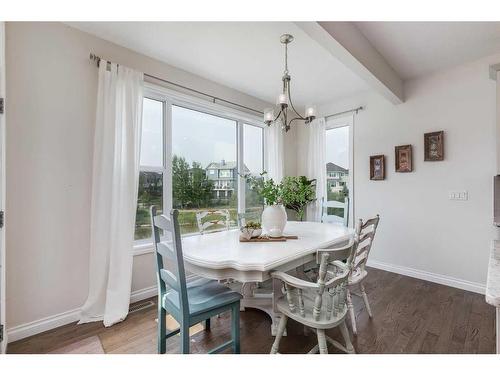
(171, 98)
(241, 161)
(339, 122)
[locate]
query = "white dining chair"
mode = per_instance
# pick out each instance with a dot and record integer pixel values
(331, 218)
(365, 233)
(213, 221)
(319, 305)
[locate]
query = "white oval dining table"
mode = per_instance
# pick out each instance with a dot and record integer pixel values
(222, 256)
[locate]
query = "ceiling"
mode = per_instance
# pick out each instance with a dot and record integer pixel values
(417, 48)
(246, 56)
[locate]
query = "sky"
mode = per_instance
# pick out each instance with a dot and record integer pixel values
(199, 137)
(152, 134)
(337, 146)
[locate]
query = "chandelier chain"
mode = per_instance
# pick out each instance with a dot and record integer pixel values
(286, 58)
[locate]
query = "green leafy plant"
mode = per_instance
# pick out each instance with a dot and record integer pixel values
(266, 188)
(252, 225)
(297, 193)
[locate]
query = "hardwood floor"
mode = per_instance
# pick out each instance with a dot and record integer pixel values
(410, 316)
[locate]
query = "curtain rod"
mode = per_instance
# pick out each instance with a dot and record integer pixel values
(97, 59)
(356, 110)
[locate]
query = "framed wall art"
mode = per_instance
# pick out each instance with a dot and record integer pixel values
(434, 146)
(377, 167)
(404, 158)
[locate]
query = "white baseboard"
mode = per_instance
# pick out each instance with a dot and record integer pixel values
(429, 276)
(41, 325)
(145, 293)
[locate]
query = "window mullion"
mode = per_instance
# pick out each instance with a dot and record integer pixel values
(167, 186)
(241, 169)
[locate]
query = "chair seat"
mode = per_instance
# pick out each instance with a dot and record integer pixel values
(357, 275)
(322, 323)
(203, 295)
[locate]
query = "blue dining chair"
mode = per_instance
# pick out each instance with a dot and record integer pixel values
(188, 303)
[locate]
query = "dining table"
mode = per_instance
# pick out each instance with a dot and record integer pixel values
(221, 256)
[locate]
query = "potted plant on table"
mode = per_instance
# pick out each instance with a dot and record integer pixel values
(297, 193)
(250, 230)
(274, 215)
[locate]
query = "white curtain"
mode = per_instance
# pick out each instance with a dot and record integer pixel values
(114, 193)
(275, 160)
(316, 165)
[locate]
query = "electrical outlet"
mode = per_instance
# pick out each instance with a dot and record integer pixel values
(458, 195)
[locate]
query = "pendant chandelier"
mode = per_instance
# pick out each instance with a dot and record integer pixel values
(285, 109)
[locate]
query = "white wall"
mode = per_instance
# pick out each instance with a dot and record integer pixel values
(51, 87)
(421, 232)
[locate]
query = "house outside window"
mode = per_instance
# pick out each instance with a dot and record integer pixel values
(337, 177)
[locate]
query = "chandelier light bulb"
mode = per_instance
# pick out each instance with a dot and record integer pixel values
(310, 111)
(268, 115)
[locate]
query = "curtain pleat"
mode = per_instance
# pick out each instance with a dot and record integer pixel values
(275, 160)
(316, 165)
(114, 193)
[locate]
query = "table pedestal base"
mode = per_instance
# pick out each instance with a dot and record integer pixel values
(260, 296)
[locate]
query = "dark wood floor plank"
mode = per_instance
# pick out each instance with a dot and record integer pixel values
(410, 316)
(428, 343)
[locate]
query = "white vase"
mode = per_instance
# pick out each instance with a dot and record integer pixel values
(274, 220)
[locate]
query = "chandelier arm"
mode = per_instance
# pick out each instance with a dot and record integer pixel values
(291, 105)
(295, 118)
(277, 117)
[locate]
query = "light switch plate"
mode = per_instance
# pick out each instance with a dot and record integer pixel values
(462, 195)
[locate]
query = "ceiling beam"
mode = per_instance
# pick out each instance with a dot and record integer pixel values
(348, 45)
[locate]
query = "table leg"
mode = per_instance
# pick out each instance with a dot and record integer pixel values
(276, 315)
(247, 293)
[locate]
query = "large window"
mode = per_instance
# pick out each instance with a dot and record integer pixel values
(338, 163)
(202, 142)
(192, 159)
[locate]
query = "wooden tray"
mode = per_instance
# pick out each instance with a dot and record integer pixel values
(269, 239)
